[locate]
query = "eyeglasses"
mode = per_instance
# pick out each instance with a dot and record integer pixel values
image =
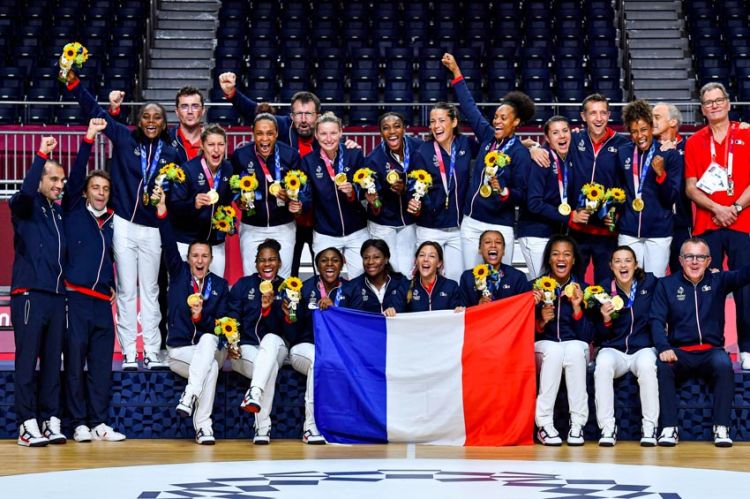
(188, 107)
(695, 258)
(716, 102)
(303, 114)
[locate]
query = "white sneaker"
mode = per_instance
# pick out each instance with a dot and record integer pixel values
(721, 436)
(313, 437)
(51, 430)
(82, 434)
(609, 436)
(153, 362)
(745, 361)
(186, 404)
(648, 435)
(130, 363)
(548, 435)
(205, 436)
(669, 437)
(106, 433)
(251, 402)
(575, 435)
(262, 436)
(30, 436)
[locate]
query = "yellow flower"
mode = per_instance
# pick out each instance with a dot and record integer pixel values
(360, 175)
(617, 194)
(179, 175)
(593, 191)
(221, 224)
(248, 183)
(594, 290)
(228, 211)
(69, 53)
(491, 158)
(503, 160)
(481, 271)
(294, 283)
(545, 283)
(291, 182)
(228, 327)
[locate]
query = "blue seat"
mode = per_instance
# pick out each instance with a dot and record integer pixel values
(330, 91)
(8, 114)
(386, 29)
(69, 115)
(263, 90)
(291, 87)
(433, 91)
(399, 92)
(222, 115)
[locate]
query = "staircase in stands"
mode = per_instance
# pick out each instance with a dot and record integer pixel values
(181, 53)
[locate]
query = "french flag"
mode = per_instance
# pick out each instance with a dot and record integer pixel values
(442, 377)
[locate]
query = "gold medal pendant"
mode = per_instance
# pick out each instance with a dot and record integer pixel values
(340, 178)
(638, 204)
(392, 177)
(194, 299)
(617, 303)
(266, 287)
(485, 191)
(213, 196)
(145, 198)
(447, 200)
(274, 189)
(564, 209)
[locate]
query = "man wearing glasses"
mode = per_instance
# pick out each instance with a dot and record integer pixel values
(687, 327)
(717, 180)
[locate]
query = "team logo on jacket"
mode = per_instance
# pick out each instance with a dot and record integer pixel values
(627, 164)
(461, 152)
(581, 145)
(612, 149)
(415, 295)
(506, 286)
(251, 294)
(443, 293)
(739, 142)
(201, 179)
(706, 287)
(364, 295)
(644, 291)
(680, 294)
(137, 151)
(319, 172)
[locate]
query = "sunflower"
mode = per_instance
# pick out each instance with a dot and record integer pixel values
(292, 182)
(545, 284)
(179, 175)
(491, 158)
(70, 53)
(221, 224)
(293, 283)
(248, 183)
(617, 195)
(481, 271)
(421, 176)
(228, 211)
(167, 169)
(593, 290)
(593, 191)
(360, 175)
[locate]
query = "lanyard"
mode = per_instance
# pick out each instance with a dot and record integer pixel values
(213, 180)
(494, 279)
(329, 163)
(729, 158)
(148, 170)
(446, 178)
(631, 296)
(322, 288)
(264, 167)
(562, 178)
(639, 178)
(405, 163)
(199, 289)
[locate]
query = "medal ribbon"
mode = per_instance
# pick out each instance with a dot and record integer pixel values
(264, 167)
(147, 171)
(199, 288)
(405, 163)
(446, 178)
(329, 163)
(562, 178)
(729, 157)
(213, 180)
(631, 296)
(639, 178)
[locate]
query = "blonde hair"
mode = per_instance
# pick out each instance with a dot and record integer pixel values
(328, 117)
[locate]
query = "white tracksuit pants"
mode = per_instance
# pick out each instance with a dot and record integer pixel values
(552, 359)
(251, 236)
(218, 260)
(349, 245)
(302, 358)
(450, 241)
(471, 231)
(402, 241)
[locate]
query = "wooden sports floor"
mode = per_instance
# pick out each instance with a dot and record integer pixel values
(16, 459)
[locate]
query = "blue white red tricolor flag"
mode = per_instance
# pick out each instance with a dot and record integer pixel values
(444, 378)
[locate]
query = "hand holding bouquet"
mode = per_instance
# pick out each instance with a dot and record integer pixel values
(494, 166)
(228, 327)
(420, 181)
(73, 54)
(481, 272)
(168, 174)
(293, 288)
(613, 197)
(294, 182)
(592, 195)
(245, 188)
(548, 286)
(365, 179)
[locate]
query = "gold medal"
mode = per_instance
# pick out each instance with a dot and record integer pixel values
(274, 189)
(564, 209)
(194, 299)
(570, 290)
(485, 191)
(392, 177)
(266, 287)
(145, 198)
(340, 178)
(213, 196)
(617, 303)
(447, 200)
(638, 204)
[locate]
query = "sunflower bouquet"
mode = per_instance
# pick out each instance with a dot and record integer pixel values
(481, 272)
(548, 286)
(420, 182)
(224, 220)
(73, 54)
(594, 296)
(229, 328)
(592, 196)
(293, 288)
(365, 179)
(168, 174)
(294, 182)
(245, 188)
(613, 197)
(494, 166)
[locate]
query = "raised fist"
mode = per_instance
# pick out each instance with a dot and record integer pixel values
(115, 98)
(228, 82)
(48, 145)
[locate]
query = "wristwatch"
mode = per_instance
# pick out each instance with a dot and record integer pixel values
(737, 207)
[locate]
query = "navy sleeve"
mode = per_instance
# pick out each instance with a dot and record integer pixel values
(77, 177)
(455, 299)
(669, 189)
(468, 293)
(658, 317)
(182, 199)
(735, 279)
(234, 302)
(244, 105)
(21, 204)
(481, 127)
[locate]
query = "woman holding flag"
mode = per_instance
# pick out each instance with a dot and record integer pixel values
(194, 203)
(625, 345)
(498, 178)
(562, 341)
(428, 289)
(380, 290)
(652, 181)
(197, 298)
(491, 280)
(391, 162)
(267, 161)
(340, 220)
